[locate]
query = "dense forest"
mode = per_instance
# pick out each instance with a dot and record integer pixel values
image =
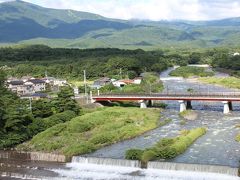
(70, 63)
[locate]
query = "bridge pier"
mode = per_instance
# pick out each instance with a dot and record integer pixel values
(143, 104)
(226, 108)
(189, 105)
(182, 106)
(150, 103)
(230, 105)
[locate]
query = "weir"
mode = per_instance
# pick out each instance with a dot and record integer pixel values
(158, 165)
(106, 161)
(193, 167)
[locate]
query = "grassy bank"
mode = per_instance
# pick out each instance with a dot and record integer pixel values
(167, 148)
(87, 133)
(189, 71)
(229, 82)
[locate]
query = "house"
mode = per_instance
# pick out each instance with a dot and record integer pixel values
(60, 82)
(38, 84)
(101, 82)
(119, 84)
(13, 85)
(35, 96)
(137, 80)
(23, 87)
(126, 81)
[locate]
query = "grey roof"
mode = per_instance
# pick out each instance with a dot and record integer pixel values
(36, 81)
(17, 82)
(42, 95)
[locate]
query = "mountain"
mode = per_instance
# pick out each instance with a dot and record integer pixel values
(26, 23)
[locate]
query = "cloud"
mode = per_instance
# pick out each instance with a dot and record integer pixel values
(150, 9)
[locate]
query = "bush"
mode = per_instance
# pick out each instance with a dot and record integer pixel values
(58, 118)
(148, 155)
(103, 138)
(167, 148)
(134, 154)
(237, 138)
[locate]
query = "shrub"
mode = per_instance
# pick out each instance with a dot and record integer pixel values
(167, 148)
(80, 127)
(103, 138)
(148, 155)
(237, 138)
(134, 154)
(58, 118)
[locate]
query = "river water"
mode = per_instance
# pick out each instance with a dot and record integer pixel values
(217, 147)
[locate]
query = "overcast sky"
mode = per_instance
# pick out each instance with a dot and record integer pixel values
(150, 9)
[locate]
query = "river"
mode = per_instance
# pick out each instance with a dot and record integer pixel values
(217, 147)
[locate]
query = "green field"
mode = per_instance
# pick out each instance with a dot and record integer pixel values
(229, 82)
(189, 71)
(87, 133)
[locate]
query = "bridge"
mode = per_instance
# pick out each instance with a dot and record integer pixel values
(184, 99)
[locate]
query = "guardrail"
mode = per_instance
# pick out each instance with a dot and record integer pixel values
(217, 94)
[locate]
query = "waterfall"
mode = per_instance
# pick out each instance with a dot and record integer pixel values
(194, 167)
(106, 161)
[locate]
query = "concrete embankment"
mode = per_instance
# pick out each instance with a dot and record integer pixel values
(32, 156)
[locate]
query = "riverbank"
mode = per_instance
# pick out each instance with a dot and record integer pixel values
(228, 82)
(87, 133)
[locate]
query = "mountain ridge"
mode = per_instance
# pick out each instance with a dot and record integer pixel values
(23, 22)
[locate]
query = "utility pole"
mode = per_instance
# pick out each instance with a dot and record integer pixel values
(30, 104)
(121, 73)
(85, 83)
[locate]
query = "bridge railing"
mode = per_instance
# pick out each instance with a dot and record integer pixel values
(203, 94)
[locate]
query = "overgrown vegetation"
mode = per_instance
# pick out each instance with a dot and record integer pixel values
(229, 82)
(166, 148)
(189, 71)
(85, 134)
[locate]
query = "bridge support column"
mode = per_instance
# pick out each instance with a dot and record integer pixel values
(189, 105)
(230, 105)
(226, 109)
(150, 103)
(91, 99)
(182, 106)
(143, 104)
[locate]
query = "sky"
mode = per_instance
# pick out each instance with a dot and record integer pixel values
(150, 9)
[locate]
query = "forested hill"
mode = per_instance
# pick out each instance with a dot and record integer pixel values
(70, 63)
(26, 23)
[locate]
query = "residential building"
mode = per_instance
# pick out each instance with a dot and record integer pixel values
(38, 84)
(101, 82)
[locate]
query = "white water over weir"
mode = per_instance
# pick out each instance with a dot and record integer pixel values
(157, 165)
(193, 167)
(106, 161)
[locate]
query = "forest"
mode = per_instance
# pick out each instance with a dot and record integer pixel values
(36, 60)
